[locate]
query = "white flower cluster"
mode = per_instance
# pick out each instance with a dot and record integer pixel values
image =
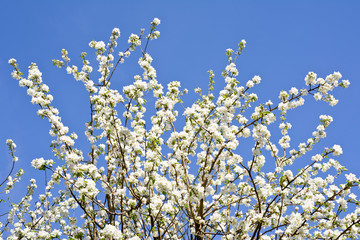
(41, 164)
(111, 232)
(231, 69)
(155, 22)
(325, 86)
(145, 63)
(134, 39)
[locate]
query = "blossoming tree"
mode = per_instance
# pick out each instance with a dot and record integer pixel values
(148, 178)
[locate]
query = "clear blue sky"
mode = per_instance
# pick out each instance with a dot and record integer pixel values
(285, 40)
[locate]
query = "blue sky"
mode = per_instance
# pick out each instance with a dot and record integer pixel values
(285, 40)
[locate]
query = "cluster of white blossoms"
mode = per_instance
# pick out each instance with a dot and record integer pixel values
(326, 85)
(153, 177)
(41, 164)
